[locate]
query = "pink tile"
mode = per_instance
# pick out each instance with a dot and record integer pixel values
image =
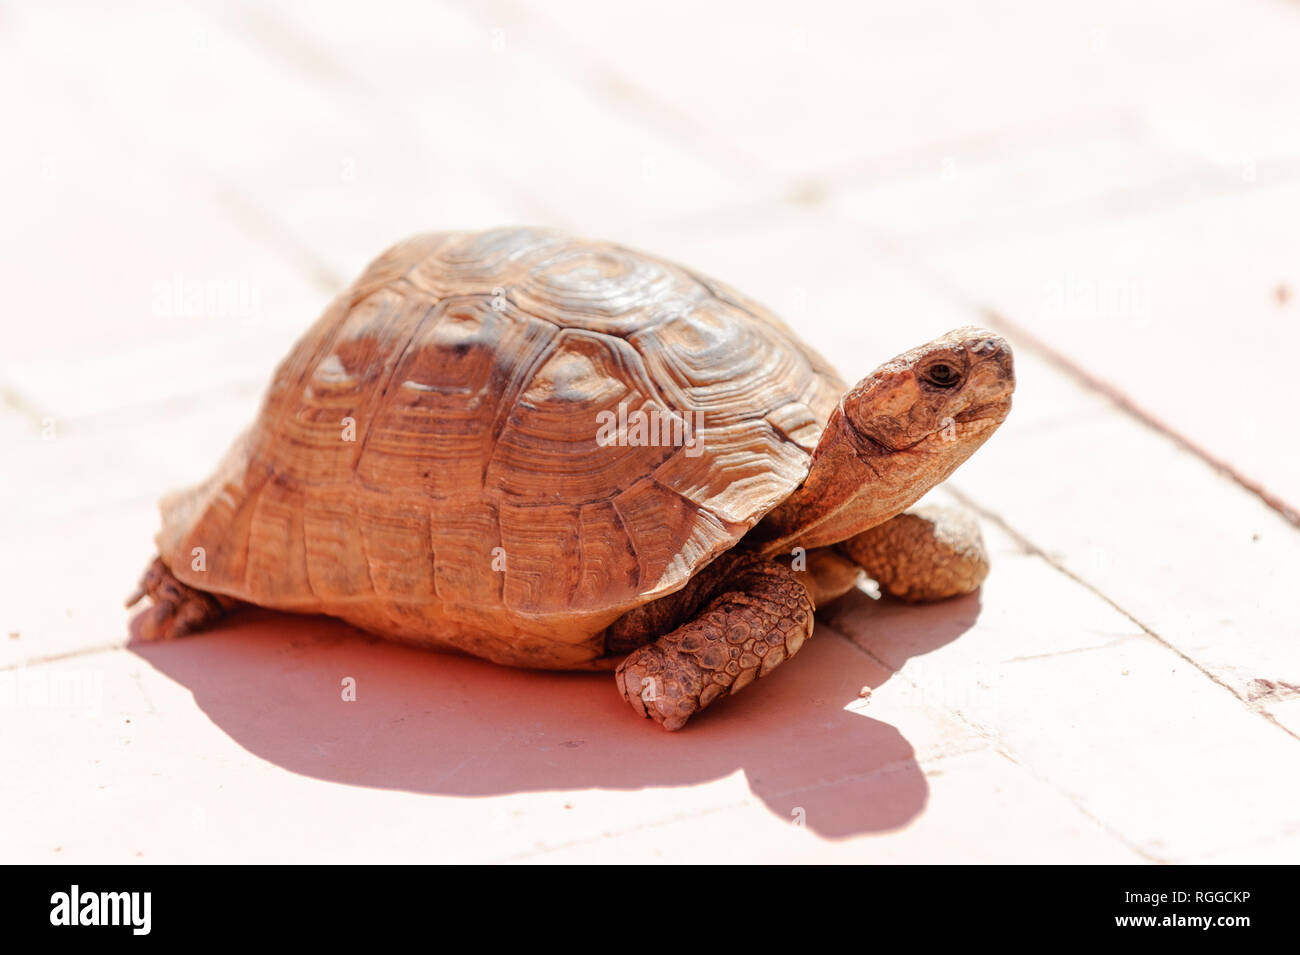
(822, 89)
(1191, 290)
(494, 754)
(983, 809)
(237, 745)
(1182, 549)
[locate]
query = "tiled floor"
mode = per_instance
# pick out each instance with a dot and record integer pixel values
(1115, 189)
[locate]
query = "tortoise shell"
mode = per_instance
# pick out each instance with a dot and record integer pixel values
(500, 442)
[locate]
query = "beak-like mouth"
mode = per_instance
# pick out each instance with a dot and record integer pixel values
(999, 408)
(992, 380)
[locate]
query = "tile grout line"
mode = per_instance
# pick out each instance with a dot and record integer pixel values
(819, 189)
(1037, 551)
(183, 403)
(66, 655)
(1085, 378)
(691, 815)
(603, 80)
(298, 255)
(12, 399)
(272, 35)
(1126, 404)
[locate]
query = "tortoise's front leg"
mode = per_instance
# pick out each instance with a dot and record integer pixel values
(758, 615)
(924, 554)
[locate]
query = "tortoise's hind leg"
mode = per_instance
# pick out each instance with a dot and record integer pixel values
(758, 614)
(177, 608)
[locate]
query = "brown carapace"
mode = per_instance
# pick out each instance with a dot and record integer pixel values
(559, 453)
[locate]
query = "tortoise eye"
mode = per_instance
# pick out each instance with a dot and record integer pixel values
(943, 375)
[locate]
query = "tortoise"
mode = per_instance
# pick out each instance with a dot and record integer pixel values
(558, 453)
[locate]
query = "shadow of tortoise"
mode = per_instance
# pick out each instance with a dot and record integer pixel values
(437, 723)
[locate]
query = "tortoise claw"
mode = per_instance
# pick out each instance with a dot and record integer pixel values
(177, 609)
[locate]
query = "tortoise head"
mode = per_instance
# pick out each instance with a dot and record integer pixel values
(936, 402)
(896, 434)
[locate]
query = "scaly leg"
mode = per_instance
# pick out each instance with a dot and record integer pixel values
(926, 554)
(757, 615)
(177, 608)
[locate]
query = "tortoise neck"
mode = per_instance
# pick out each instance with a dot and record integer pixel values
(853, 484)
